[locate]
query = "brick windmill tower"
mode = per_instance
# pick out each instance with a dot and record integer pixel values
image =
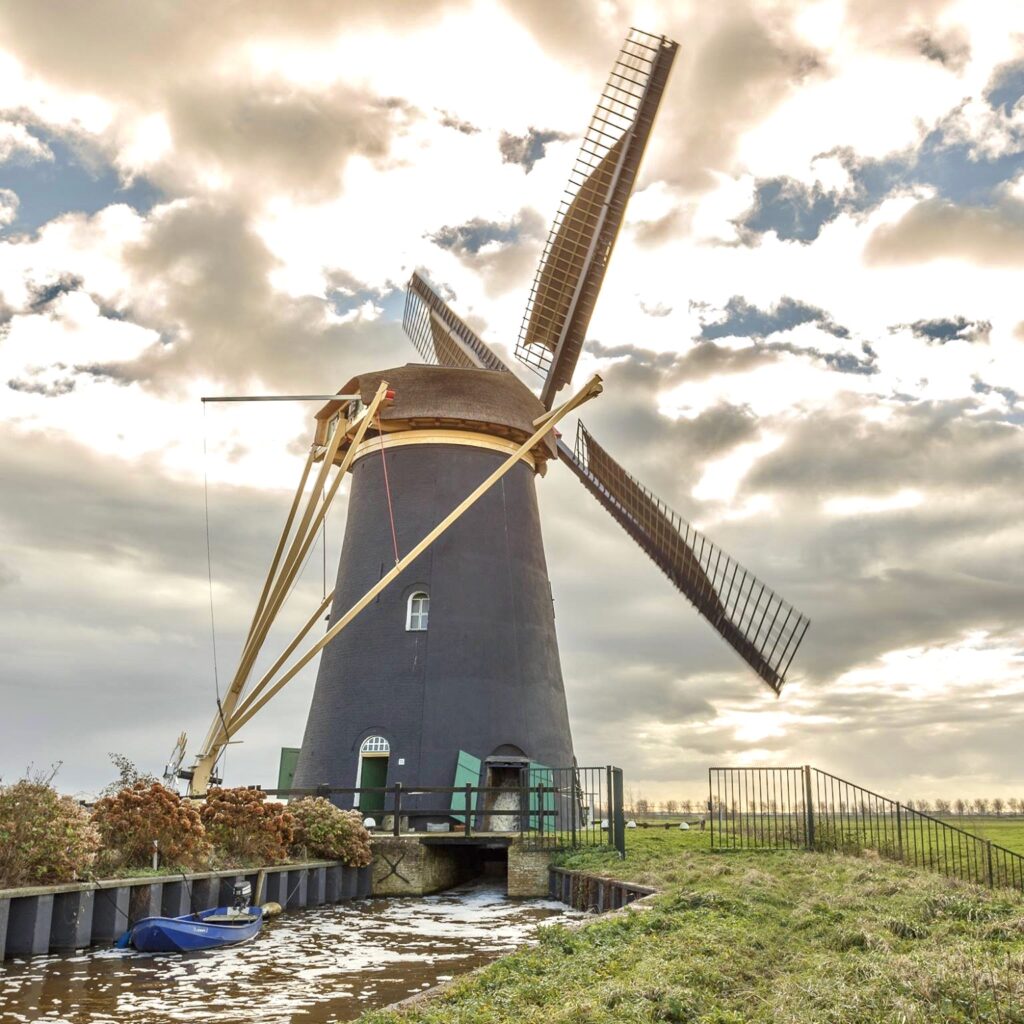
(451, 673)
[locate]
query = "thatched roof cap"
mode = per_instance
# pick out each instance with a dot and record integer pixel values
(489, 401)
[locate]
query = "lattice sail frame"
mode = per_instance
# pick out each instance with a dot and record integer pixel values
(579, 246)
(440, 336)
(758, 624)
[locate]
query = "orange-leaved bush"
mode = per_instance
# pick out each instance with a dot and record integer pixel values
(45, 838)
(327, 831)
(129, 822)
(244, 827)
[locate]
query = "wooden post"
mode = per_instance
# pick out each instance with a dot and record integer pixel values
(224, 721)
(899, 830)
(469, 810)
(397, 830)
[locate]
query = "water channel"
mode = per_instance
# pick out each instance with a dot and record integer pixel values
(315, 966)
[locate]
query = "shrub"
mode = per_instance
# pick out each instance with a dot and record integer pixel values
(129, 821)
(45, 838)
(244, 827)
(127, 775)
(327, 831)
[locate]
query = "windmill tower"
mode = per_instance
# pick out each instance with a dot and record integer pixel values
(442, 668)
(454, 672)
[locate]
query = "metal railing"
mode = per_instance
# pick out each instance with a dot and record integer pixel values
(548, 808)
(807, 808)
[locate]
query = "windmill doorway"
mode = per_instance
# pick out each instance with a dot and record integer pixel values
(374, 757)
(504, 771)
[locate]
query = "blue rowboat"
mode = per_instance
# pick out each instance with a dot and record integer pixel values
(208, 929)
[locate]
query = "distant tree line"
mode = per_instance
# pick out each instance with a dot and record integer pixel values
(640, 806)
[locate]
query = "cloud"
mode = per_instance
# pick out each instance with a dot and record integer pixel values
(449, 120)
(949, 329)
(938, 229)
(527, 149)
(742, 320)
(1007, 87)
(8, 206)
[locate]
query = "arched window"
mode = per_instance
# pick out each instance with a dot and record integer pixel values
(375, 745)
(419, 609)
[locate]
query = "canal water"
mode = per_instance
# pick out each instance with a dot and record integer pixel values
(328, 964)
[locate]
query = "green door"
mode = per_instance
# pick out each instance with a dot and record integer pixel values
(374, 773)
(541, 775)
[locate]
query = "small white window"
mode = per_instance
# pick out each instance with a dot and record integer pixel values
(375, 745)
(419, 608)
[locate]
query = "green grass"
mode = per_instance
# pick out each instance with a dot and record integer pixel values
(764, 938)
(1008, 832)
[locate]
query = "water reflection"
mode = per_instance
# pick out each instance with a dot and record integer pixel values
(329, 964)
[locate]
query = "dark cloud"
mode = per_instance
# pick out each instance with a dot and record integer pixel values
(938, 229)
(957, 328)
(131, 673)
(527, 149)
(50, 389)
(42, 295)
(202, 281)
(278, 138)
(451, 121)
(743, 320)
(473, 235)
(951, 49)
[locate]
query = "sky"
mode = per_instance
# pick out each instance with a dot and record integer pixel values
(811, 335)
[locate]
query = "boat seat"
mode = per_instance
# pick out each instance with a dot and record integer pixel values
(230, 918)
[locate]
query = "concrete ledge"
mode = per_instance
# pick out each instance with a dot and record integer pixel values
(59, 918)
(593, 893)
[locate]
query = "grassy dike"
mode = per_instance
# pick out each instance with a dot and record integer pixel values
(778, 937)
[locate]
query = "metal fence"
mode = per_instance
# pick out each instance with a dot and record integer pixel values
(548, 808)
(792, 808)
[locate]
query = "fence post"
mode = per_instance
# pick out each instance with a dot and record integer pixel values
(540, 807)
(899, 829)
(606, 811)
(618, 821)
(988, 861)
(809, 805)
(574, 793)
(469, 810)
(524, 801)
(398, 809)
(711, 817)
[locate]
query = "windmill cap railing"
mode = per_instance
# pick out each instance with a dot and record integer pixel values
(808, 808)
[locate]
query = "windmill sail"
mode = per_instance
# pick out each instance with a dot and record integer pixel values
(762, 628)
(440, 336)
(573, 263)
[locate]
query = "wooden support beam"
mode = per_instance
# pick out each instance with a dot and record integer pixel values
(590, 390)
(218, 735)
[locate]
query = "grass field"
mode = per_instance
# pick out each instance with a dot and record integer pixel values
(759, 938)
(1008, 832)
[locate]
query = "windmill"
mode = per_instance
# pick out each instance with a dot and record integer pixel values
(452, 672)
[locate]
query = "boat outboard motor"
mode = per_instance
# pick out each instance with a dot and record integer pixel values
(241, 897)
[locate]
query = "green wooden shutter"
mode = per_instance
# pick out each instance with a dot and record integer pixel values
(541, 775)
(467, 769)
(286, 767)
